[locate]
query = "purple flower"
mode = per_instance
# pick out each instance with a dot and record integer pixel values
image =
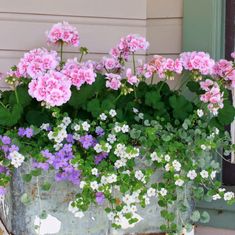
(100, 198)
(21, 132)
(3, 191)
(14, 148)
(99, 131)
(6, 140)
(28, 132)
(70, 138)
(99, 158)
(87, 141)
(42, 165)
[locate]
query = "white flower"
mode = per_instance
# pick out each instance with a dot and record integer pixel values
(107, 147)
(94, 171)
(163, 192)
(128, 199)
(203, 147)
(94, 185)
(112, 179)
(16, 159)
(222, 190)
(120, 163)
(103, 116)
(104, 180)
(216, 197)
(228, 196)
(216, 131)
(117, 128)
(45, 126)
(167, 158)
(146, 200)
(125, 128)
(112, 113)
(204, 174)
(77, 127)
(76, 136)
(135, 110)
(176, 165)
(86, 126)
(179, 182)
(155, 157)
(110, 215)
(192, 174)
(151, 192)
(167, 167)
(141, 116)
(98, 148)
(82, 184)
(139, 175)
(213, 174)
(79, 214)
(66, 120)
(200, 112)
(111, 138)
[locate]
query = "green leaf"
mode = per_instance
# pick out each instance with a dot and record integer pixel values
(195, 216)
(205, 217)
(37, 118)
(227, 114)
(93, 106)
(194, 87)
(27, 177)
(182, 108)
(25, 199)
(24, 97)
(46, 186)
(36, 172)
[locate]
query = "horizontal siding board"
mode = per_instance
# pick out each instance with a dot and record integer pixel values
(103, 8)
(164, 8)
(98, 35)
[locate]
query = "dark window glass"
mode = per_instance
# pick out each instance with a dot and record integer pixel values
(228, 173)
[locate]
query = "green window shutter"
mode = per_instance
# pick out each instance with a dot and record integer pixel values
(203, 26)
(204, 29)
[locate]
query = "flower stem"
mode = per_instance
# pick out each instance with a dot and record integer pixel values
(16, 95)
(80, 60)
(61, 51)
(133, 60)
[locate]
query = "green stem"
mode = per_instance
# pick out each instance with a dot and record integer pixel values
(118, 97)
(152, 79)
(133, 60)
(61, 51)
(80, 60)
(161, 85)
(16, 95)
(3, 105)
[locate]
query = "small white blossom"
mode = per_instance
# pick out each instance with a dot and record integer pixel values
(163, 192)
(98, 148)
(216, 197)
(216, 131)
(112, 179)
(155, 157)
(76, 136)
(94, 171)
(16, 159)
(192, 174)
(45, 126)
(167, 158)
(141, 116)
(167, 167)
(176, 165)
(86, 126)
(117, 128)
(111, 138)
(228, 196)
(135, 110)
(94, 185)
(79, 214)
(200, 112)
(112, 113)
(66, 121)
(139, 175)
(125, 128)
(222, 190)
(77, 127)
(82, 184)
(203, 147)
(103, 116)
(213, 174)
(179, 182)
(151, 192)
(204, 174)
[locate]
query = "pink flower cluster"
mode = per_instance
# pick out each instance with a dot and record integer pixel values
(63, 32)
(212, 96)
(164, 67)
(37, 62)
(53, 88)
(224, 69)
(131, 79)
(128, 45)
(113, 81)
(79, 73)
(110, 64)
(197, 61)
